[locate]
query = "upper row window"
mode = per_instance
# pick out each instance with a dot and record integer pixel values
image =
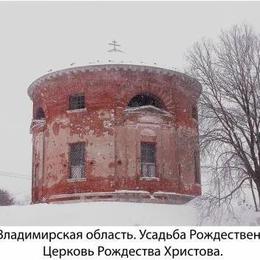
(77, 101)
(39, 114)
(145, 100)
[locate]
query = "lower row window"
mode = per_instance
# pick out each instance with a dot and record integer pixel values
(148, 159)
(77, 160)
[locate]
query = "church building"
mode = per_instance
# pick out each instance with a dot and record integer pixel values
(118, 132)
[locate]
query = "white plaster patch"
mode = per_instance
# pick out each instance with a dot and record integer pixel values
(150, 119)
(147, 132)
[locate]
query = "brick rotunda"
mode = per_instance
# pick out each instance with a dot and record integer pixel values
(115, 132)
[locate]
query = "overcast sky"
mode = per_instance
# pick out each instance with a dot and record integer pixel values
(36, 37)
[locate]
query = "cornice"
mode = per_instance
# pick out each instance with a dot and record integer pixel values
(108, 67)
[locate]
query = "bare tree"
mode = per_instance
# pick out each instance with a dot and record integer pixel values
(229, 71)
(5, 198)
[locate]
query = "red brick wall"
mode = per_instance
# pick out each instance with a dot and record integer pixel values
(112, 134)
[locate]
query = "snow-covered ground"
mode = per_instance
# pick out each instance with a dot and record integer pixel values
(98, 213)
(117, 213)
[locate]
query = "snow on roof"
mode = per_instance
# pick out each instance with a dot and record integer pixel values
(147, 107)
(98, 66)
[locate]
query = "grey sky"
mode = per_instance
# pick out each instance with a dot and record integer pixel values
(36, 37)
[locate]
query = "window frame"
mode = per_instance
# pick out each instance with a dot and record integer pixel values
(83, 171)
(148, 163)
(75, 103)
(157, 102)
(39, 114)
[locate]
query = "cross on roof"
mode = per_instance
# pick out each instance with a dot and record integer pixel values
(115, 45)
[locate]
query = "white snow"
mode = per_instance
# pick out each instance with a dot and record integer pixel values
(121, 214)
(76, 110)
(99, 213)
(172, 193)
(140, 108)
(133, 191)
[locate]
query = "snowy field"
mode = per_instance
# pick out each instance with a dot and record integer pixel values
(98, 213)
(117, 213)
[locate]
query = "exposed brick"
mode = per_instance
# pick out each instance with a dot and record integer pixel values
(113, 134)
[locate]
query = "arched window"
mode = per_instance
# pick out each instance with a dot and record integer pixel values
(145, 100)
(39, 114)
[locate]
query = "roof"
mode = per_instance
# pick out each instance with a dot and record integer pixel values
(90, 68)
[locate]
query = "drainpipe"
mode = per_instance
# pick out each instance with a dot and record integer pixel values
(33, 174)
(43, 161)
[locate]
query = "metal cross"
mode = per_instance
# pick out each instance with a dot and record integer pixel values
(115, 45)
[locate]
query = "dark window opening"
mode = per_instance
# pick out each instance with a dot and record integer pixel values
(76, 102)
(39, 114)
(77, 160)
(196, 168)
(194, 113)
(148, 159)
(145, 100)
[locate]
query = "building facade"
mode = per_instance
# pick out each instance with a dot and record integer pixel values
(115, 132)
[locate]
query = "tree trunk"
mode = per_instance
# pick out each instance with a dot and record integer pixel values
(257, 182)
(253, 194)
